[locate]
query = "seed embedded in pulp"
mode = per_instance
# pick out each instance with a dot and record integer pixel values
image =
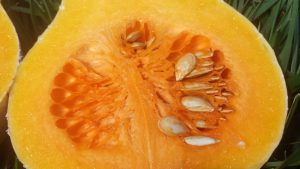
(196, 104)
(170, 125)
(184, 66)
(196, 86)
(200, 140)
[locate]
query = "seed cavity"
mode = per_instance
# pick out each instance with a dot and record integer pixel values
(196, 104)
(200, 140)
(172, 126)
(184, 66)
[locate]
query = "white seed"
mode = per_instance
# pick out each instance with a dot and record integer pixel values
(214, 78)
(211, 91)
(196, 104)
(207, 63)
(200, 140)
(222, 119)
(133, 36)
(170, 125)
(184, 66)
(221, 84)
(196, 86)
(226, 110)
(221, 98)
(201, 124)
(204, 54)
(241, 144)
(150, 42)
(227, 94)
(219, 68)
(199, 72)
(137, 45)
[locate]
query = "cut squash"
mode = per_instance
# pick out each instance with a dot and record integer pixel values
(148, 84)
(9, 52)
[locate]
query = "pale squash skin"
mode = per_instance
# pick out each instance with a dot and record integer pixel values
(9, 56)
(259, 118)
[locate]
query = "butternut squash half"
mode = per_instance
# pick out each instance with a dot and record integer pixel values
(9, 55)
(148, 84)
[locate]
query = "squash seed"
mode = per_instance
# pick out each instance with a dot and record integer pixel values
(150, 42)
(225, 110)
(214, 91)
(203, 125)
(184, 66)
(214, 78)
(219, 68)
(133, 36)
(222, 84)
(221, 98)
(227, 94)
(137, 45)
(200, 140)
(199, 72)
(172, 126)
(196, 104)
(204, 54)
(207, 63)
(196, 86)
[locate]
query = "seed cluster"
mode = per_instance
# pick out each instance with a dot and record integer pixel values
(204, 91)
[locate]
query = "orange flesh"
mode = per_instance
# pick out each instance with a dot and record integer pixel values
(90, 100)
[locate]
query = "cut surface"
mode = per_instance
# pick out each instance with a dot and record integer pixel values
(9, 52)
(146, 88)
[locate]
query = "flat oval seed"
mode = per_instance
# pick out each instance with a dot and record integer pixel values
(184, 66)
(200, 140)
(219, 68)
(203, 54)
(227, 94)
(211, 91)
(137, 45)
(170, 125)
(199, 72)
(222, 84)
(226, 110)
(201, 124)
(221, 98)
(196, 86)
(207, 63)
(214, 78)
(132, 37)
(150, 42)
(196, 104)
